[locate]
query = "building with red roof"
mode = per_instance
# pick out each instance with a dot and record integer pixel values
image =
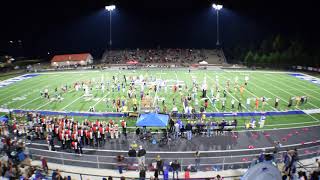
(82, 59)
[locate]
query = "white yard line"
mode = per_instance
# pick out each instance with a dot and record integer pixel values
(43, 105)
(29, 102)
(297, 89)
(23, 91)
(212, 104)
(255, 96)
(62, 109)
(287, 91)
(101, 99)
(303, 87)
(17, 85)
(283, 100)
(242, 104)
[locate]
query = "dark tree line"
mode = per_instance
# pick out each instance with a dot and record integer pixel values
(277, 52)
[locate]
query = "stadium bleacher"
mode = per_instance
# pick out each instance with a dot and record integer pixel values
(212, 56)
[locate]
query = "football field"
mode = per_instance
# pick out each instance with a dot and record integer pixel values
(26, 94)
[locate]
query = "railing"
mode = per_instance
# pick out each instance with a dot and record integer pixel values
(206, 163)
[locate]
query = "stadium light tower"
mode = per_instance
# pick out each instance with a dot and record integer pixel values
(110, 9)
(217, 7)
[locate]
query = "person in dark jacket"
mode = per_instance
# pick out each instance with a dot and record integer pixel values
(159, 165)
(189, 131)
(142, 174)
(141, 156)
(132, 155)
(175, 168)
(120, 159)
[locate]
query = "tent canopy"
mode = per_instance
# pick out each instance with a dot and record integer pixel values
(203, 62)
(153, 120)
(262, 171)
(4, 119)
(132, 62)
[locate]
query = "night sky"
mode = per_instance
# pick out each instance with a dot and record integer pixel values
(73, 26)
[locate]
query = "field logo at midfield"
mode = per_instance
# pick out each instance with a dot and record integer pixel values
(16, 79)
(306, 78)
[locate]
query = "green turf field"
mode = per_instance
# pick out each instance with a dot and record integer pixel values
(26, 94)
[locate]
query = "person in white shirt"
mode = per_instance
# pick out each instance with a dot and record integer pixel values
(232, 103)
(248, 103)
(276, 103)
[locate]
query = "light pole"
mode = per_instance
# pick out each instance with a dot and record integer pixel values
(217, 7)
(110, 9)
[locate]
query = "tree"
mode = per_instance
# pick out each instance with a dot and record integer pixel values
(248, 60)
(256, 58)
(274, 58)
(266, 46)
(278, 43)
(264, 59)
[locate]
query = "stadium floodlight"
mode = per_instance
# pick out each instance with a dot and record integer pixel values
(217, 7)
(110, 9)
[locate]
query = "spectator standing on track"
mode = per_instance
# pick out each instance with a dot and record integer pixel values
(189, 131)
(175, 168)
(141, 156)
(142, 173)
(120, 159)
(197, 160)
(171, 124)
(159, 165)
(165, 173)
(44, 165)
(132, 155)
(80, 146)
(176, 130)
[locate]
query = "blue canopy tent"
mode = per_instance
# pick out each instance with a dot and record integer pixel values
(153, 120)
(4, 119)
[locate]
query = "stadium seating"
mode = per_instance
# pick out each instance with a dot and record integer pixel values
(212, 56)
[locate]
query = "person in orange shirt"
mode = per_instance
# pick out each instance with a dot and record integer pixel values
(241, 90)
(257, 103)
